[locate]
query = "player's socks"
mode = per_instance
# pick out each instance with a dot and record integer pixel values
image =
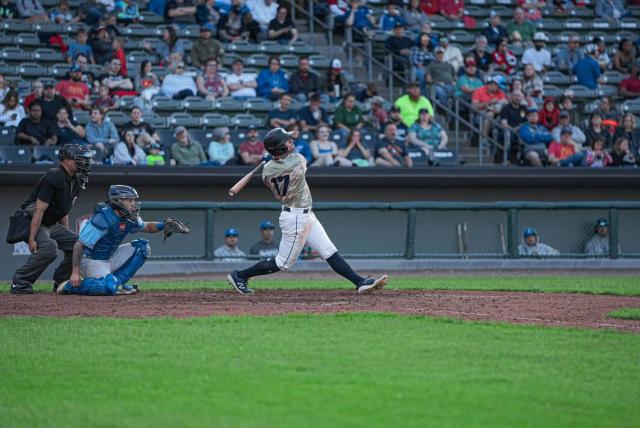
(264, 267)
(341, 267)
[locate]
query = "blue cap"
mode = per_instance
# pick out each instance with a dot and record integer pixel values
(207, 27)
(530, 231)
(532, 109)
(266, 225)
(602, 222)
(232, 231)
(75, 67)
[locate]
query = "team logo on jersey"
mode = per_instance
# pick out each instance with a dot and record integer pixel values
(123, 226)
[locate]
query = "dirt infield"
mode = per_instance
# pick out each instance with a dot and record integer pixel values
(552, 309)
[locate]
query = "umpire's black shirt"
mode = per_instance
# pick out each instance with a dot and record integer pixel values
(58, 189)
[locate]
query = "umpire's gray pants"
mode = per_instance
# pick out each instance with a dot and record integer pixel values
(49, 240)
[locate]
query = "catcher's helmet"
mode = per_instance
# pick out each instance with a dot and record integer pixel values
(275, 142)
(82, 156)
(529, 231)
(117, 193)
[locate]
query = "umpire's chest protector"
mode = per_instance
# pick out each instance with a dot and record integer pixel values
(117, 229)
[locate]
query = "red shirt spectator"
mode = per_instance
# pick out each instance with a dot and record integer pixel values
(452, 9)
(251, 151)
(561, 151)
(430, 7)
(630, 87)
(550, 114)
(74, 90)
(483, 95)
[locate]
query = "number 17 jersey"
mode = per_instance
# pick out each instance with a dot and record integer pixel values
(286, 179)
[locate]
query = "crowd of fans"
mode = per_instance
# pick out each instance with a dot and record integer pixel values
(502, 85)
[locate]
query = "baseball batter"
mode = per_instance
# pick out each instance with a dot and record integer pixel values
(284, 175)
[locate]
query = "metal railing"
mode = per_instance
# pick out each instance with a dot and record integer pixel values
(469, 226)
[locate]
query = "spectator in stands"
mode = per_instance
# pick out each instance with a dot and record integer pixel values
(50, 103)
(118, 53)
(101, 45)
(598, 244)
(609, 112)
(532, 84)
(481, 55)
(520, 25)
(31, 11)
(550, 113)
(420, 56)
(325, 151)
(630, 131)
(427, 134)
(532, 248)
(149, 83)
(185, 151)
(569, 55)
(7, 10)
(587, 70)
(105, 102)
(601, 53)
(301, 145)
(390, 151)
(596, 156)
(567, 104)
(205, 47)
(400, 46)
(532, 9)
(281, 28)
(155, 156)
(391, 17)
(538, 55)
(596, 131)
(169, 44)
(621, 155)
(272, 82)
(118, 84)
(110, 23)
(74, 90)
(80, 46)
(441, 76)
(4, 87)
(312, 116)
(411, 103)
(535, 138)
(394, 118)
(348, 116)
(180, 12)
(630, 87)
(283, 116)
(303, 82)
(101, 133)
(336, 85)
(67, 131)
(266, 247)
(494, 31)
(210, 83)
(145, 133)
(179, 85)
(127, 11)
(220, 149)
(127, 152)
(35, 130)
(11, 112)
(413, 15)
(252, 28)
(512, 116)
(451, 9)
(263, 11)
(90, 12)
(36, 93)
(229, 252)
(612, 10)
(625, 56)
(206, 13)
(87, 77)
(503, 59)
(565, 151)
(356, 151)
(489, 99)
(377, 116)
(468, 82)
(241, 85)
(452, 54)
(564, 122)
(339, 10)
(252, 149)
(560, 7)
(429, 7)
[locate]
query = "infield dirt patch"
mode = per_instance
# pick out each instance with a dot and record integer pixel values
(552, 309)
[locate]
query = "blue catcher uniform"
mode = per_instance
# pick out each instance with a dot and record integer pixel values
(106, 263)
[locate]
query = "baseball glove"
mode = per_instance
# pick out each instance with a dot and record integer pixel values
(171, 226)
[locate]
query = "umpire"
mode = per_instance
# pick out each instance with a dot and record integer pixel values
(49, 204)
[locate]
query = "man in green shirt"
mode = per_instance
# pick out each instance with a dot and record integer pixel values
(185, 151)
(411, 103)
(205, 47)
(523, 27)
(348, 115)
(441, 74)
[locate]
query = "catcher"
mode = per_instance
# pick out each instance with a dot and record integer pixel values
(98, 257)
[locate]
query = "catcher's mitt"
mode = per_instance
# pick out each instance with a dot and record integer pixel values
(171, 226)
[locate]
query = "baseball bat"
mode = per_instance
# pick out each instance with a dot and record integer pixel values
(244, 180)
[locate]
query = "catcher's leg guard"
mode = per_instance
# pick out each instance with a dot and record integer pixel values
(140, 254)
(105, 286)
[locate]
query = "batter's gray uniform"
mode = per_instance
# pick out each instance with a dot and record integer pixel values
(298, 224)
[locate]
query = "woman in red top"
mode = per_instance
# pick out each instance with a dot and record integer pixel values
(549, 114)
(503, 58)
(118, 52)
(451, 9)
(430, 7)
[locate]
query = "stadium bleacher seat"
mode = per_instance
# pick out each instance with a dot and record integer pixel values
(33, 69)
(228, 104)
(299, 47)
(319, 62)
(632, 106)
(606, 91)
(49, 27)
(155, 120)
(45, 153)
(7, 69)
(147, 18)
(81, 117)
(6, 40)
(557, 78)
(15, 154)
(338, 138)
(161, 103)
(16, 25)
(197, 104)
(259, 105)
(118, 118)
(15, 54)
(60, 69)
(289, 61)
(190, 31)
(139, 30)
(445, 157)
(580, 91)
(306, 136)
(7, 136)
(272, 48)
(242, 47)
(257, 60)
(417, 155)
(183, 119)
(245, 120)
(552, 91)
(48, 55)
(166, 136)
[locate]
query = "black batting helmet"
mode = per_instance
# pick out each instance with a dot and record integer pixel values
(117, 193)
(82, 156)
(276, 141)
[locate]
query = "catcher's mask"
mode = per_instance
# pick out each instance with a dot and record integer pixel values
(82, 157)
(117, 193)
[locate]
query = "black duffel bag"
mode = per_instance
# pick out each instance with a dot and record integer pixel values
(19, 227)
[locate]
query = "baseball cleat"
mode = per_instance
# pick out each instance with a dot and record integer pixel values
(241, 285)
(21, 289)
(63, 289)
(126, 290)
(370, 284)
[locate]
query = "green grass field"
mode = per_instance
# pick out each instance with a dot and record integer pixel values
(352, 370)
(625, 313)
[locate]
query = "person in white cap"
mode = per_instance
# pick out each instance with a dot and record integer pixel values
(336, 83)
(538, 55)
